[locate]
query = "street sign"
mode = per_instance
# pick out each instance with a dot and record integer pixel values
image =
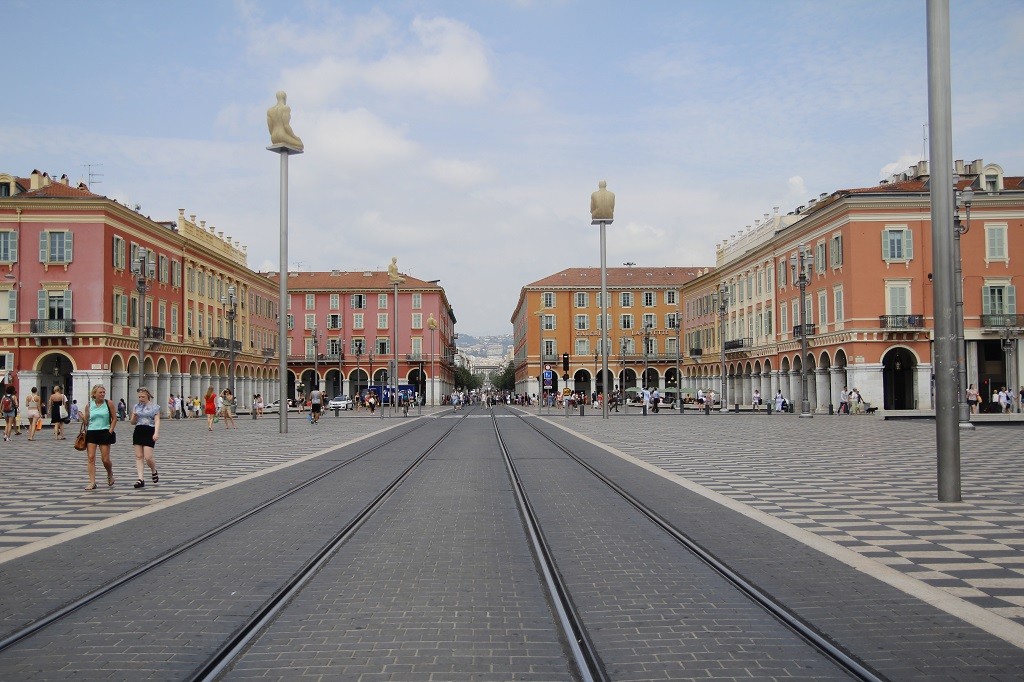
(548, 375)
(566, 391)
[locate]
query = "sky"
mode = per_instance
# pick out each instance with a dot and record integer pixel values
(465, 138)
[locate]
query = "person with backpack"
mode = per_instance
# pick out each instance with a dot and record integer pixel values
(9, 408)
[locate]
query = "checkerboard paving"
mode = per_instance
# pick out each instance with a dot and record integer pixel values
(863, 483)
(42, 490)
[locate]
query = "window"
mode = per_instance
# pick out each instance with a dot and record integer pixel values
(671, 346)
(382, 320)
(310, 321)
(335, 301)
(760, 281)
(382, 301)
(783, 326)
(548, 322)
(311, 349)
(55, 246)
(897, 298)
(174, 319)
(835, 252)
(897, 244)
(998, 299)
(118, 253)
(310, 301)
(768, 323)
(417, 301)
(549, 299)
(334, 321)
(671, 296)
(54, 305)
(550, 349)
(626, 299)
(135, 303)
(163, 316)
(582, 347)
(191, 274)
(783, 272)
(648, 297)
(603, 321)
(671, 319)
(9, 305)
(188, 322)
(358, 301)
(625, 322)
(837, 304)
(599, 301)
(358, 346)
(582, 299)
(5, 189)
(417, 346)
(176, 274)
(819, 258)
(582, 322)
(995, 242)
(334, 347)
(357, 321)
(650, 320)
(627, 346)
(291, 322)
(822, 308)
(8, 246)
(163, 269)
(417, 320)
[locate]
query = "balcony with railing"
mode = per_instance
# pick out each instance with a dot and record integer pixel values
(696, 352)
(154, 333)
(1002, 321)
(738, 344)
(221, 343)
(52, 327)
(802, 330)
(901, 321)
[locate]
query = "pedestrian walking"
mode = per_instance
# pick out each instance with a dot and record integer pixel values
(100, 418)
(972, 399)
(210, 407)
(756, 400)
(33, 408)
(122, 410)
(146, 417)
(58, 412)
(316, 397)
(844, 401)
(226, 400)
(780, 402)
(74, 414)
(9, 408)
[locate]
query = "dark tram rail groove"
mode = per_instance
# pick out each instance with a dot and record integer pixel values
(816, 639)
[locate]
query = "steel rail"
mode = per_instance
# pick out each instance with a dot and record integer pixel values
(817, 639)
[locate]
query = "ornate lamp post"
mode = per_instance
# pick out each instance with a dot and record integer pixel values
(359, 372)
(800, 262)
(679, 382)
(432, 326)
(964, 198)
(143, 271)
(720, 299)
(341, 364)
(594, 391)
(316, 361)
(540, 359)
(230, 312)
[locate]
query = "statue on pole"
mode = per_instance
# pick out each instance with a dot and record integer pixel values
(393, 272)
(279, 119)
(602, 203)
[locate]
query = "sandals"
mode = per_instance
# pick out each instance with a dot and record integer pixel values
(139, 483)
(91, 486)
(156, 477)
(110, 480)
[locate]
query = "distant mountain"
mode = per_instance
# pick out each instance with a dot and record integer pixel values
(485, 346)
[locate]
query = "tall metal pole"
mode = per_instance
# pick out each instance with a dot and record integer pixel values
(540, 360)
(284, 151)
(723, 303)
(432, 325)
(679, 380)
(316, 362)
(947, 430)
(604, 317)
(805, 403)
(394, 380)
(231, 310)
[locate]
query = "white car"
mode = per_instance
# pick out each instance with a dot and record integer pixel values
(275, 407)
(341, 402)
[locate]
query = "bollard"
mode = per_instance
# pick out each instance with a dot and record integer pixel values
(830, 409)
(645, 409)
(769, 408)
(581, 409)
(736, 408)
(337, 411)
(792, 407)
(707, 407)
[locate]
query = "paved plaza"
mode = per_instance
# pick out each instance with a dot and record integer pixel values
(859, 489)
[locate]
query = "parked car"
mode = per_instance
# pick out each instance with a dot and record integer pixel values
(275, 407)
(341, 402)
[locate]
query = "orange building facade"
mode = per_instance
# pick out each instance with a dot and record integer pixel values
(562, 314)
(869, 299)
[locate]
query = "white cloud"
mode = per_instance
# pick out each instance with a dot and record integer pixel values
(797, 186)
(459, 174)
(905, 161)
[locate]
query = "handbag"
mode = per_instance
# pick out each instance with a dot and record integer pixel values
(63, 412)
(80, 439)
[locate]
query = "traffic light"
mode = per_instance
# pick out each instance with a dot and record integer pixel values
(565, 362)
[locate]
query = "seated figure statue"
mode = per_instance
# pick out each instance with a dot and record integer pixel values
(279, 119)
(602, 203)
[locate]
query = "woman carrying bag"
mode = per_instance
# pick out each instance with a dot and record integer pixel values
(99, 419)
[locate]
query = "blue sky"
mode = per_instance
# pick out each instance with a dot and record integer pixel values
(465, 138)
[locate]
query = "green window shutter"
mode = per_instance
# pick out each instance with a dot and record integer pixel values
(12, 302)
(14, 247)
(113, 251)
(1011, 300)
(986, 300)
(908, 235)
(124, 309)
(885, 245)
(67, 247)
(67, 304)
(41, 304)
(43, 241)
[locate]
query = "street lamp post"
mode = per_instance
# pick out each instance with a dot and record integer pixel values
(359, 372)
(394, 370)
(721, 299)
(316, 362)
(800, 262)
(143, 271)
(341, 364)
(540, 360)
(647, 337)
(593, 391)
(965, 198)
(230, 312)
(679, 382)
(432, 325)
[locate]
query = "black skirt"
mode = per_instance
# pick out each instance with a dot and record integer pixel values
(143, 435)
(100, 437)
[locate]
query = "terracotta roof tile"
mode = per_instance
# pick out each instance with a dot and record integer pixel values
(58, 190)
(620, 277)
(361, 280)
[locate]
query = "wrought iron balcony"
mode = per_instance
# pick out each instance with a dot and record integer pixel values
(738, 344)
(52, 327)
(696, 352)
(901, 321)
(801, 330)
(154, 333)
(1002, 321)
(225, 344)
(269, 352)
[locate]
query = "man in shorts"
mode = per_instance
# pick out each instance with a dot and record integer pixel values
(316, 397)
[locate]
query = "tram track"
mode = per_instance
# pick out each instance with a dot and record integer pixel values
(588, 655)
(57, 616)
